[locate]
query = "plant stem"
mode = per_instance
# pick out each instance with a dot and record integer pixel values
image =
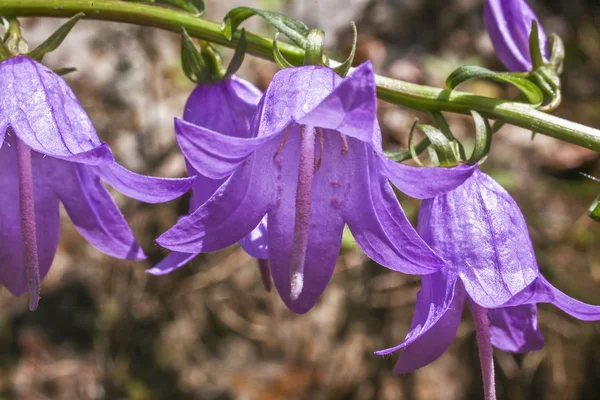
(419, 97)
(486, 352)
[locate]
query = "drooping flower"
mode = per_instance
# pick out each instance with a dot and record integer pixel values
(50, 153)
(227, 107)
(480, 232)
(509, 24)
(313, 163)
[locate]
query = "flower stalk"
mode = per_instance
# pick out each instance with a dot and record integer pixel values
(419, 97)
(28, 231)
(484, 346)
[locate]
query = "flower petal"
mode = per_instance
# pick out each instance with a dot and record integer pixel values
(350, 108)
(440, 301)
(424, 183)
(480, 231)
(255, 243)
(171, 262)
(94, 212)
(376, 220)
(573, 307)
(213, 154)
(509, 24)
(326, 222)
(232, 212)
(43, 110)
(226, 106)
(143, 188)
(515, 329)
(12, 272)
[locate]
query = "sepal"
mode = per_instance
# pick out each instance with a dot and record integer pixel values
(55, 39)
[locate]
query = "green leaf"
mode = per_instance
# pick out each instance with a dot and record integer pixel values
(528, 88)
(557, 53)
(4, 53)
(192, 61)
(55, 39)
(441, 123)
(411, 148)
(343, 68)
(64, 71)
(195, 7)
(483, 138)
(295, 30)
(534, 46)
(594, 211)
(238, 56)
(445, 150)
(280, 60)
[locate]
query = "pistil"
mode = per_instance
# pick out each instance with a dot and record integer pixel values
(306, 172)
(28, 231)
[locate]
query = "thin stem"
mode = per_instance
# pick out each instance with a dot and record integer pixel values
(28, 231)
(265, 273)
(484, 344)
(419, 97)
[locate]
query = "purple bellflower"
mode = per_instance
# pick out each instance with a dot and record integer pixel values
(227, 107)
(509, 24)
(312, 164)
(50, 153)
(480, 232)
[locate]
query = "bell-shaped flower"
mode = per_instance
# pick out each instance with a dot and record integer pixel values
(50, 153)
(481, 233)
(312, 164)
(509, 23)
(227, 107)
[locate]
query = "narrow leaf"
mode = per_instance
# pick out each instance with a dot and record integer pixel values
(411, 147)
(195, 7)
(295, 30)
(64, 71)
(55, 39)
(528, 88)
(444, 149)
(191, 60)
(537, 60)
(483, 138)
(238, 56)
(441, 123)
(280, 60)
(343, 68)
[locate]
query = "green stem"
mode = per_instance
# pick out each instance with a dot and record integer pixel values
(410, 95)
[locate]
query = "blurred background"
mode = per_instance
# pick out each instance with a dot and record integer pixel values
(107, 330)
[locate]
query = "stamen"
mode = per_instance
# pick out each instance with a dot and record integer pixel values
(285, 135)
(265, 274)
(28, 231)
(306, 172)
(321, 144)
(344, 144)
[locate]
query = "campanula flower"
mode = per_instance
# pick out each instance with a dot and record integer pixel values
(480, 232)
(50, 153)
(312, 164)
(509, 25)
(227, 107)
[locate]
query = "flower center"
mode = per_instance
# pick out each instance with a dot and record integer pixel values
(306, 173)
(28, 231)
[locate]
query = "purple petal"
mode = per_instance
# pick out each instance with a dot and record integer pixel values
(434, 325)
(213, 154)
(292, 94)
(575, 308)
(43, 110)
(255, 243)
(350, 108)
(509, 25)
(480, 231)
(232, 212)
(326, 224)
(515, 329)
(424, 183)
(226, 106)
(12, 273)
(94, 212)
(171, 262)
(376, 220)
(140, 187)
